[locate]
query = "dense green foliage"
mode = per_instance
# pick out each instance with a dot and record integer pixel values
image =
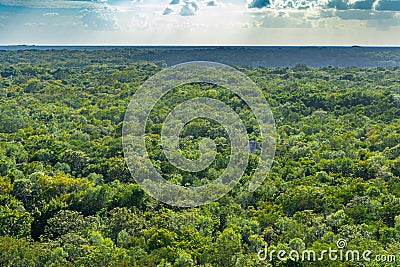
(67, 197)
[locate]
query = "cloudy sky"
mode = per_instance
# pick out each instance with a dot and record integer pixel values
(200, 22)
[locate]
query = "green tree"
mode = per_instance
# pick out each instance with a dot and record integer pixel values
(14, 220)
(228, 248)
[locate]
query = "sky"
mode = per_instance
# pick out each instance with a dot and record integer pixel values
(200, 22)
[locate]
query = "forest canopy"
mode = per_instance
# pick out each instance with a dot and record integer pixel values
(67, 197)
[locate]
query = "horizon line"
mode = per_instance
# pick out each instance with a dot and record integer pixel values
(200, 45)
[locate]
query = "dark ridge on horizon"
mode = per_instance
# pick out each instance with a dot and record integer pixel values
(25, 46)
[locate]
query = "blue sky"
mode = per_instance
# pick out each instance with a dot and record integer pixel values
(200, 22)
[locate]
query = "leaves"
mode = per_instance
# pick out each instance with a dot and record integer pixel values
(67, 197)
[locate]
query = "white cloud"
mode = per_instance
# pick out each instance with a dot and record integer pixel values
(187, 7)
(139, 22)
(51, 3)
(392, 5)
(363, 15)
(272, 18)
(320, 13)
(292, 22)
(51, 14)
(34, 24)
(100, 19)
